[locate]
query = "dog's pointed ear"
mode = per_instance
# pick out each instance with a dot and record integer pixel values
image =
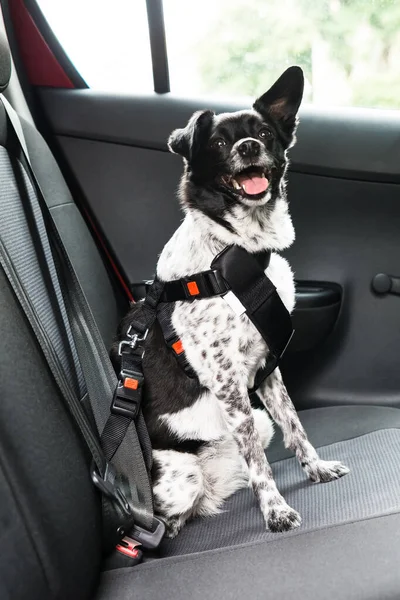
(283, 99)
(187, 140)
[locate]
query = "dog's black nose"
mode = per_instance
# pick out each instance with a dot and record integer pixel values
(249, 148)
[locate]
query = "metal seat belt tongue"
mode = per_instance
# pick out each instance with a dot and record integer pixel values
(111, 485)
(108, 484)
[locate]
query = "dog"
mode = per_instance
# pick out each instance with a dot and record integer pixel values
(207, 439)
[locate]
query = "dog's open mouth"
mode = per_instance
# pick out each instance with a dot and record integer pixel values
(252, 182)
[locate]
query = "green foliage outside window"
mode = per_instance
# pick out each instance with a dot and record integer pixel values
(349, 49)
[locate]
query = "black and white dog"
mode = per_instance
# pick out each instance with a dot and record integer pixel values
(208, 441)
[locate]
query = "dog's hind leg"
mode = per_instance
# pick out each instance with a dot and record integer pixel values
(177, 487)
(274, 395)
(223, 474)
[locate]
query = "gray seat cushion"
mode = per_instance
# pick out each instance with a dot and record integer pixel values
(326, 426)
(357, 561)
(345, 524)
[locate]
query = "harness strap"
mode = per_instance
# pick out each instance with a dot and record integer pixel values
(241, 274)
(207, 283)
(261, 300)
(164, 317)
(126, 403)
(200, 285)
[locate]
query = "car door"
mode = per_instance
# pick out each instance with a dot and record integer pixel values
(137, 73)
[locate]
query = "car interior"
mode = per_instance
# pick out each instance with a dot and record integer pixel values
(102, 163)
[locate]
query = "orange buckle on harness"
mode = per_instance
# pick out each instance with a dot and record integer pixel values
(192, 288)
(130, 383)
(178, 347)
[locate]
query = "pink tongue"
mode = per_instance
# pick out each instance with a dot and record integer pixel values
(253, 185)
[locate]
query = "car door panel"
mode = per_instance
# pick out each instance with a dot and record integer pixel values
(351, 142)
(132, 192)
(343, 187)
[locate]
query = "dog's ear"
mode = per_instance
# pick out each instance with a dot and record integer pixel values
(283, 99)
(188, 140)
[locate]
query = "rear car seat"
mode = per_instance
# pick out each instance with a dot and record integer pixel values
(347, 547)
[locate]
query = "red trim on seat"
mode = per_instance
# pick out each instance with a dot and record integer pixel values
(39, 61)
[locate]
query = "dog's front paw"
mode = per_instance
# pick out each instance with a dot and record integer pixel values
(327, 470)
(282, 518)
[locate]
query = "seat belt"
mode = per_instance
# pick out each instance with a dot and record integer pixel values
(122, 475)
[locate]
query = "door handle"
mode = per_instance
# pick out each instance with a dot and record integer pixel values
(385, 284)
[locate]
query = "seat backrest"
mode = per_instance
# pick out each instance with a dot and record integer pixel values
(106, 299)
(49, 510)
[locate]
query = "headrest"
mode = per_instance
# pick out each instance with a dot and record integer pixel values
(5, 62)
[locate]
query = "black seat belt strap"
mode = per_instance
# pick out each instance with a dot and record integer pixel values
(20, 280)
(100, 380)
(126, 402)
(119, 516)
(124, 438)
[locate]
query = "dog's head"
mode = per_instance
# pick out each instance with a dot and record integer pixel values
(239, 157)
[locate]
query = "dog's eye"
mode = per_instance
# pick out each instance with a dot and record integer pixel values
(265, 134)
(218, 143)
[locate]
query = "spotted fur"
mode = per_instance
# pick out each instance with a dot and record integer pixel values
(225, 350)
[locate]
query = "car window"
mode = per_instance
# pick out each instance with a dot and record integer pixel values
(108, 42)
(349, 49)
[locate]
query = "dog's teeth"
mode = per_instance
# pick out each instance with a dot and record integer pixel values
(263, 175)
(235, 184)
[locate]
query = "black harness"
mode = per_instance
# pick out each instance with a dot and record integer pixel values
(236, 275)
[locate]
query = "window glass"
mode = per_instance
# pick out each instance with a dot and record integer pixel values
(108, 42)
(349, 49)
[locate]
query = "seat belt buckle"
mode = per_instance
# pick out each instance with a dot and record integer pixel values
(128, 394)
(204, 285)
(148, 539)
(127, 554)
(129, 547)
